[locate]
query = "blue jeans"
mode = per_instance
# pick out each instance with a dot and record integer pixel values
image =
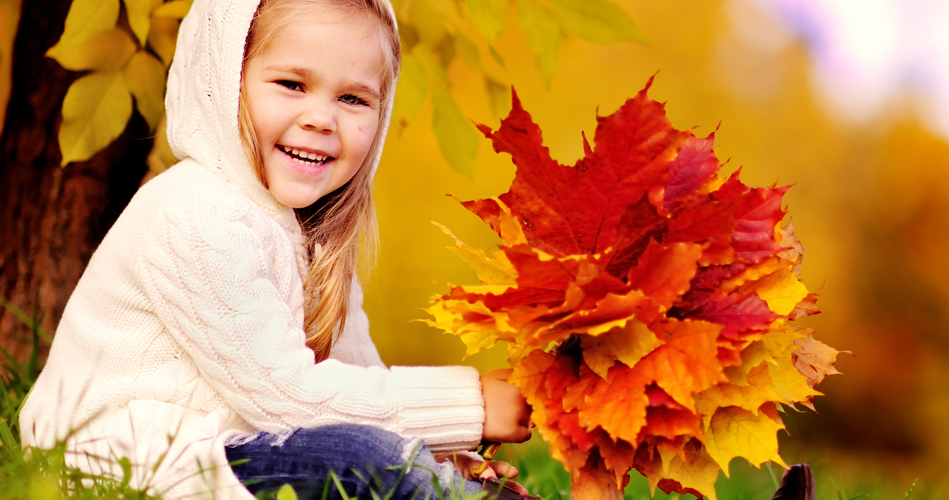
(357, 458)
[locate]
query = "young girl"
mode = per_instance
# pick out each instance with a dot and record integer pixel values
(210, 329)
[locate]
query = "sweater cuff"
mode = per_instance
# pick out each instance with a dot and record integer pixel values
(440, 404)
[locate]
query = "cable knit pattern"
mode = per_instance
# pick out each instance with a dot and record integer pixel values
(185, 331)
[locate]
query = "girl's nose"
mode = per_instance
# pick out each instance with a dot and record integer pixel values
(318, 115)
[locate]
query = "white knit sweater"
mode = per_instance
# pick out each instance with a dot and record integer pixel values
(186, 328)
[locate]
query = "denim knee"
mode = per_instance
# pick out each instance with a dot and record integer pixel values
(357, 458)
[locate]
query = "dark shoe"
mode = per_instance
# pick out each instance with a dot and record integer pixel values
(797, 483)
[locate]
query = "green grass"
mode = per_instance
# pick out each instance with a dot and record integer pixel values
(43, 475)
(39, 474)
(843, 481)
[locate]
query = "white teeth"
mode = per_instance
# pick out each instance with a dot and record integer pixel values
(303, 156)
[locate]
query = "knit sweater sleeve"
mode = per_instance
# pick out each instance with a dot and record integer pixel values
(208, 269)
(354, 346)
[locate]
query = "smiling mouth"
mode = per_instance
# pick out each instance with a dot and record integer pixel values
(311, 159)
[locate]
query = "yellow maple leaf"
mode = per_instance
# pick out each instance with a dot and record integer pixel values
(627, 344)
(750, 397)
(751, 356)
(497, 271)
(683, 469)
(736, 432)
(787, 380)
(696, 470)
(753, 273)
(781, 290)
(476, 325)
(778, 343)
(789, 384)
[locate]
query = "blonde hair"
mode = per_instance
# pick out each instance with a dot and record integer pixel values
(340, 227)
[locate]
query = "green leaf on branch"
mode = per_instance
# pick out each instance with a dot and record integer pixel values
(468, 51)
(162, 37)
(598, 21)
(429, 64)
(488, 16)
(139, 18)
(411, 92)
(497, 56)
(103, 51)
(85, 17)
(95, 111)
(145, 77)
(428, 21)
(456, 136)
(500, 96)
(176, 9)
(543, 35)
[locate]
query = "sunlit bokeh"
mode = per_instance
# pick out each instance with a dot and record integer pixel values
(872, 61)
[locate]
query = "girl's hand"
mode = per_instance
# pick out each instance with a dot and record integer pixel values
(466, 463)
(506, 414)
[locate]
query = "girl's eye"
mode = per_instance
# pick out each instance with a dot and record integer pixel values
(289, 84)
(354, 100)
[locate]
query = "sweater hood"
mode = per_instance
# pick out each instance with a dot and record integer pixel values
(203, 98)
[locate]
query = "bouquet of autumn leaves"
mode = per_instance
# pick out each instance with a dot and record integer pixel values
(646, 302)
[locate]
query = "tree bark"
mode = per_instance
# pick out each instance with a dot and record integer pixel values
(52, 217)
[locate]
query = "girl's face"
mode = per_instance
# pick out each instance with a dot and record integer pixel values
(314, 97)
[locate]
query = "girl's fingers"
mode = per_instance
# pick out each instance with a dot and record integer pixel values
(517, 487)
(503, 469)
(489, 473)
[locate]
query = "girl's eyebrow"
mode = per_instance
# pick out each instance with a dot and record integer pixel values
(359, 87)
(306, 74)
(301, 72)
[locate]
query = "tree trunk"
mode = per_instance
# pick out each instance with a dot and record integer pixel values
(52, 217)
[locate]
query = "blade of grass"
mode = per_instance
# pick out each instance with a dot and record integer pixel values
(910, 490)
(33, 322)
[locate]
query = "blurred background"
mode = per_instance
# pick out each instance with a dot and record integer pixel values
(848, 101)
